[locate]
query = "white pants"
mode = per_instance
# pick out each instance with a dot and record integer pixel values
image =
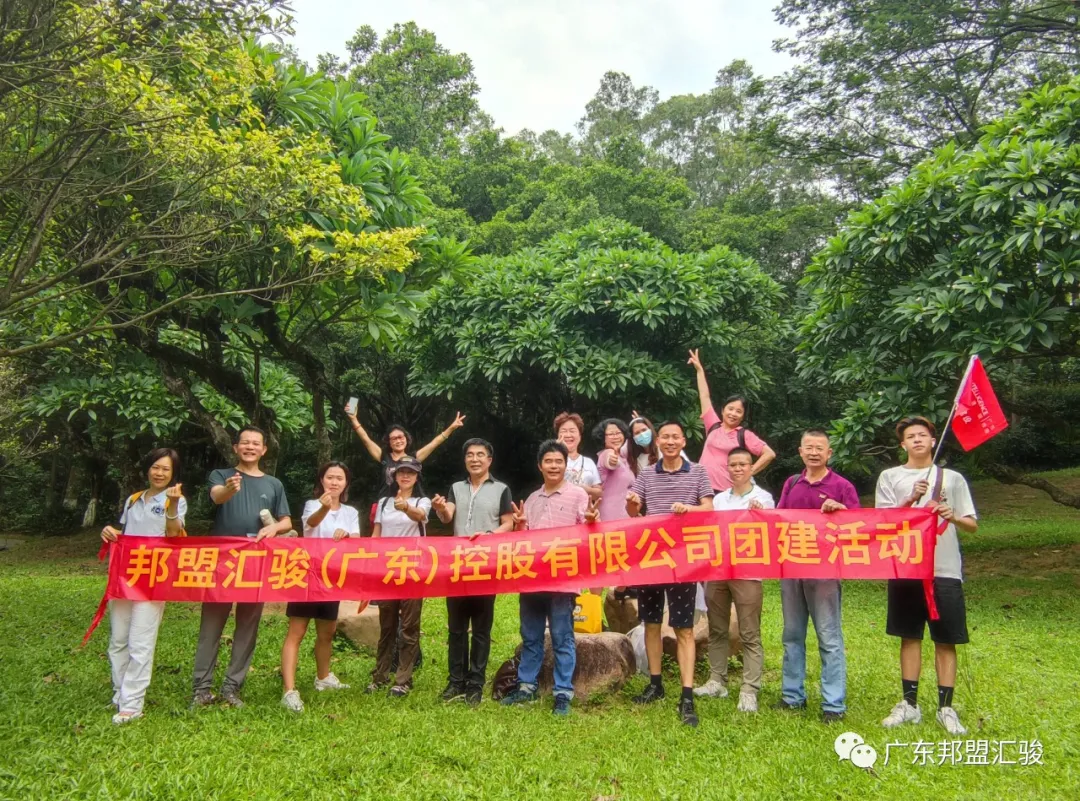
(132, 639)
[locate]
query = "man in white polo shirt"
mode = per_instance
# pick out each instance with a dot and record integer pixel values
(746, 593)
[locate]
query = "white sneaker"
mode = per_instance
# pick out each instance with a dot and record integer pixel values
(747, 701)
(950, 721)
(291, 701)
(121, 718)
(330, 683)
(711, 689)
(902, 713)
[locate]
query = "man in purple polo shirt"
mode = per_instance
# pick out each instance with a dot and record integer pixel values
(816, 487)
(676, 486)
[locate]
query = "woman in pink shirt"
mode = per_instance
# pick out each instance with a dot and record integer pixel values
(725, 431)
(617, 471)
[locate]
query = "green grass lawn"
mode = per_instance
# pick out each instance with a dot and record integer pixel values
(1019, 680)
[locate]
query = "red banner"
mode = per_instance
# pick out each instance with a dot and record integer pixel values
(978, 414)
(700, 546)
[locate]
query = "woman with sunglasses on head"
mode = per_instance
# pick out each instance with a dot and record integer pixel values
(325, 517)
(397, 443)
(726, 431)
(158, 511)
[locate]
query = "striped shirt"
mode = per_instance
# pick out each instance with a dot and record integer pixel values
(565, 506)
(659, 489)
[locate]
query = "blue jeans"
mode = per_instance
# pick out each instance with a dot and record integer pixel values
(536, 610)
(818, 599)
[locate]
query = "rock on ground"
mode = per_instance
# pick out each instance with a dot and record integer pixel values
(604, 662)
(621, 615)
(359, 627)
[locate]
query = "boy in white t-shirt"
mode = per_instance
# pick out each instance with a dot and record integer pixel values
(745, 593)
(920, 483)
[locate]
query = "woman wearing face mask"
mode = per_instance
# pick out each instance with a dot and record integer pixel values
(155, 512)
(580, 469)
(643, 449)
(325, 517)
(397, 443)
(726, 431)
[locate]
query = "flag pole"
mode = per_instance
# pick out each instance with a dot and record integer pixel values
(952, 414)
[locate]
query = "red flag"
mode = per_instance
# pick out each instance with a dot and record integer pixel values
(978, 414)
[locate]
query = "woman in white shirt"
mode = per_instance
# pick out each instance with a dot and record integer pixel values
(401, 512)
(325, 517)
(580, 469)
(155, 512)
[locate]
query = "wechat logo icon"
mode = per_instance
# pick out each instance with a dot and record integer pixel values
(852, 747)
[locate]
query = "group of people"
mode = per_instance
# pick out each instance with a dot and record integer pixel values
(641, 470)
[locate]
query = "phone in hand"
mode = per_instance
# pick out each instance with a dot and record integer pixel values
(351, 407)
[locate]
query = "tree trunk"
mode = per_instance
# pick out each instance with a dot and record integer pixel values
(97, 476)
(52, 496)
(74, 485)
(322, 436)
(1007, 475)
(177, 384)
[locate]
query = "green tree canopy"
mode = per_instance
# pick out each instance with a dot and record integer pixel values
(599, 317)
(978, 251)
(880, 83)
(423, 95)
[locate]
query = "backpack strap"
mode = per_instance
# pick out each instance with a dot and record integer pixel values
(135, 499)
(423, 525)
(935, 494)
(740, 433)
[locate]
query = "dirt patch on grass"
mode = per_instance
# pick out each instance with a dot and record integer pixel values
(1024, 563)
(993, 498)
(81, 548)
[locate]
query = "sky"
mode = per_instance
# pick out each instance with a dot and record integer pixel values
(539, 63)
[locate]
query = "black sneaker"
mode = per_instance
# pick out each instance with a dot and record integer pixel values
(203, 698)
(474, 695)
(562, 706)
(231, 698)
(831, 717)
(375, 686)
(687, 713)
(399, 691)
(453, 692)
(651, 695)
(519, 696)
(784, 706)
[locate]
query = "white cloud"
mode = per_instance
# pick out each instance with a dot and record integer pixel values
(538, 64)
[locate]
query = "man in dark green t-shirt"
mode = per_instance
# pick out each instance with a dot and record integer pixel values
(241, 494)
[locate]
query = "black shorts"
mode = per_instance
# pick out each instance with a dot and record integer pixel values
(318, 610)
(907, 616)
(680, 601)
